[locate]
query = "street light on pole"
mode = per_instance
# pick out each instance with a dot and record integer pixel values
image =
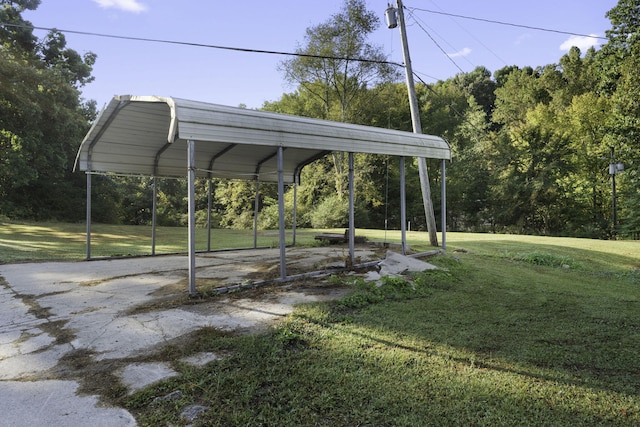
(614, 169)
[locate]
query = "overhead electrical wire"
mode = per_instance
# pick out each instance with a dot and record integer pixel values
(238, 49)
(205, 45)
(416, 19)
(435, 42)
(473, 36)
(305, 55)
(492, 21)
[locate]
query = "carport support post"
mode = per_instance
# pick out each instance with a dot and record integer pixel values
(255, 215)
(352, 233)
(209, 203)
(154, 207)
(403, 208)
(191, 179)
(443, 197)
(283, 263)
(88, 215)
(294, 212)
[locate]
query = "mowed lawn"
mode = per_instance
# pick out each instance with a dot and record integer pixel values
(514, 330)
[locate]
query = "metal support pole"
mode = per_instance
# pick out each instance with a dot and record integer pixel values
(403, 208)
(283, 262)
(191, 179)
(352, 233)
(295, 211)
(443, 206)
(209, 207)
(88, 215)
(417, 128)
(256, 206)
(614, 207)
(154, 209)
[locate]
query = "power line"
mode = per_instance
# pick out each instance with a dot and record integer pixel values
(473, 36)
(416, 18)
(210, 46)
(491, 21)
(435, 42)
(435, 79)
(238, 49)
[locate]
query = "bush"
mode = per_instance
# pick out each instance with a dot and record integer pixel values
(201, 219)
(269, 215)
(332, 212)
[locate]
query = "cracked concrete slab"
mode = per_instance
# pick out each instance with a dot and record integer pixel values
(114, 310)
(396, 263)
(200, 359)
(55, 403)
(137, 376)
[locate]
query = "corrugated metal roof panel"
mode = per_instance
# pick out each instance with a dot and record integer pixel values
(147, 136)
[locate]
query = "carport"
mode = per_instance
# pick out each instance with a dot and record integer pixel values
(173, 138)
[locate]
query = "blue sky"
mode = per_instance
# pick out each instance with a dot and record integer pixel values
(234, 78)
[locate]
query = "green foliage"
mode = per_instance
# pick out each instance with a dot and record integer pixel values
(269, 215)
(237, 202)
(394, 288)
(332, 212)
(19, 37)
(530, 145)
(42, 120)
(546, 259)
(336, 85)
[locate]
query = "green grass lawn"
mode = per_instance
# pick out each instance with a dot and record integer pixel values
(517, 330)
(21, 242)
(495, 340)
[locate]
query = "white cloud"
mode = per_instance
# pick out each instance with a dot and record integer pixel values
(581, 42)
(126, 5)
(464, 52)
(521, 39)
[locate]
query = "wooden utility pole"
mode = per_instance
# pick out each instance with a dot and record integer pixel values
(417, 128)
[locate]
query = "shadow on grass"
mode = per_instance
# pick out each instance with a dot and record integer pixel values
(544, 323)
(491, 342)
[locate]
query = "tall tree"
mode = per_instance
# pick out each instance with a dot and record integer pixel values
(619, 63)
(622, 38)
(479, 85)
(17, 36)
(331, 73)
(42, 120)
(586, 123)
(330, 69)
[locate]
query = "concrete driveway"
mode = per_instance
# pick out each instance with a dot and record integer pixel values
(110, 312)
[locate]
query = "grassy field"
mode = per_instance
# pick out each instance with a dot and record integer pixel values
(22, 242)
(516, 330)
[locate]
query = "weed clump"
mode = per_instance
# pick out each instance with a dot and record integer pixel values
(392, 288)
(545, 259)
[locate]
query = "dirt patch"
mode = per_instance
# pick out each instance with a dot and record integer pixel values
(95, 378)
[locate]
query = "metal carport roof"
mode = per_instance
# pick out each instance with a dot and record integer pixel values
(147, 135)
(171, 137)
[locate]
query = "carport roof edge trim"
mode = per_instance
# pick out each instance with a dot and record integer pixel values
(141, 135)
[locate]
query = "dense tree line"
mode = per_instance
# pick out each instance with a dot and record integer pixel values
(42, 119)
(531, 146)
